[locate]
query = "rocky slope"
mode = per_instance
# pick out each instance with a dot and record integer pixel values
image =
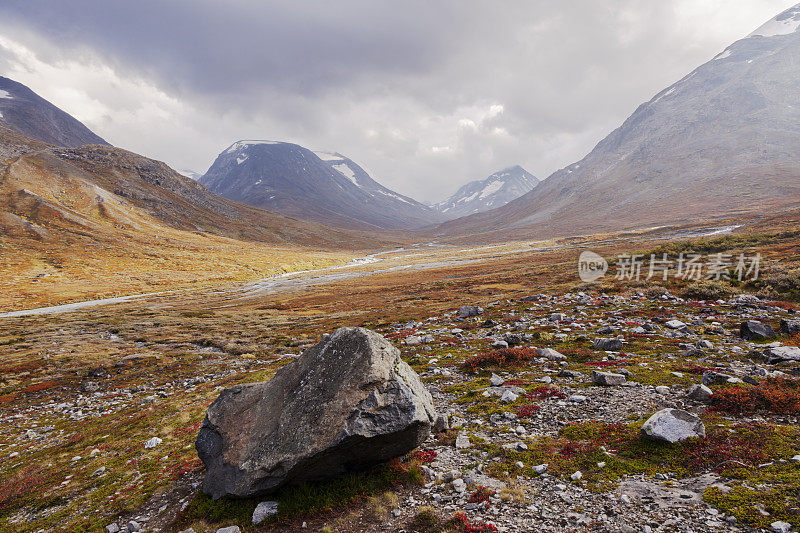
(482, 195)
(721, 140)
(323, 187)
(28, 114)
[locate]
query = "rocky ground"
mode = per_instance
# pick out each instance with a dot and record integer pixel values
(545, 397)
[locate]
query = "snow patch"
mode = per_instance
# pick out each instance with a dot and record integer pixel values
(491, 188)
(784, 24)
(723, 55)
(5, 94)
(241, 159)
(240, 145)
(329, 156)
(345, 170)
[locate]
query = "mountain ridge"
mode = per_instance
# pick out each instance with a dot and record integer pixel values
(494, 191)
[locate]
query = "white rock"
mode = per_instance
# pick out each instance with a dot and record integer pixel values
(508, 397)
(576, 476)
(152, 443)
(496, 380)
(462, 442)
(781, 527)
(264, 510)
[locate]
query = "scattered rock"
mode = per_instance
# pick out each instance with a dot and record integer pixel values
(354, 404)
(496, 380)
(782, 353)
(263, 511)
(607, 379)
(469, 311)
(608, 345)
(753, 330)
(462, 442)
(152, 443)
(673, 425)
(699, 393)
(790, 327)
(550, 354)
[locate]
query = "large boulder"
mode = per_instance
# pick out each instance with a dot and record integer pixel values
(780, 354)
(790, 327)
(673, 425)
(753, 330)
(469, 311)
(347, 403)
(608, 345)
(607, 379)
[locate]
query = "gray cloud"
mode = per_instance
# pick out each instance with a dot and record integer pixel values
(427, 95)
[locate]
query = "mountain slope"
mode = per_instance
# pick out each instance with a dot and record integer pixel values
(482, 195)
(721, 140)
(30, 115)
(297, 182)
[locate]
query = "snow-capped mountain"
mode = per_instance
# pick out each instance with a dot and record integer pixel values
(722, 140)
(482, 195)
(27, 113)
(325, 187)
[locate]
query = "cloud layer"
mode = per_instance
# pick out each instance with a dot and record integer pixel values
(428, 95)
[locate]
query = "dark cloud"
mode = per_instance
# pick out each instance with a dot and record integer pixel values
(427, 94)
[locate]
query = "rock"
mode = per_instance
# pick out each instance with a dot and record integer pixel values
(558, 317)
(711, 377)
(781, 527)
(663, 390)
(263, 511)
(134, 527)
(496, 380)
(551, 354)
(790, 327)
(703, 345)
(674, 324)
(90, 386)
(753, 330)
(152, 443)
(462, 442)
(673, 425)
(459, 485)
(229, 529)
(509, 396)
(469, 311)
(112, 528)
(540, 469)
(607, 379)
(441, 425)
(413, 340)
(347, 403)
(782, 353)
(513, 339)
(576, 476)
(578, 398)
(608, 345)
(699, 393)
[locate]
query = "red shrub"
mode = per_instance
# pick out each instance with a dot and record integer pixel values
(544, 392)
(504, 357)
(780, 396)
(425, 456)
(527, 411)
(481, 494)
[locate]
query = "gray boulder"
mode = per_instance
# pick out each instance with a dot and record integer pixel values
(469, 311)
(790, 327)
(347, 403)
(607, 379)
(673, 425)
(263, 511)
(753, 330)
(699, 393)
(780, 354)
(551, 354)
(608, 345)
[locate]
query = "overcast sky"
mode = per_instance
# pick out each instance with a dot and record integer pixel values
(425, 95)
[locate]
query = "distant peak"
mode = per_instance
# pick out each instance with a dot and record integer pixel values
(240, 145)
(785, 23)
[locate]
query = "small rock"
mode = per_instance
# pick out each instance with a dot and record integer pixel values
(663, 390)
(673, 425)
(264, 510)
(508, 397)
(112, 528)
(90, 386)
(134, 527)
(790, 327)
(469, 311)
(576, 476)
(229, 529)
(699, 393)
(781, 527)
(462, 442)
(607, 379)
(753, 330)
(550, 354)
(674, 324)
(152, 443)
(496, 380)
(540, 469)
(608, 345)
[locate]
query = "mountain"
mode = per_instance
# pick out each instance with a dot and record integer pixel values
(28, 114)
(324, 187)
(482, 195)
(722, 140)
